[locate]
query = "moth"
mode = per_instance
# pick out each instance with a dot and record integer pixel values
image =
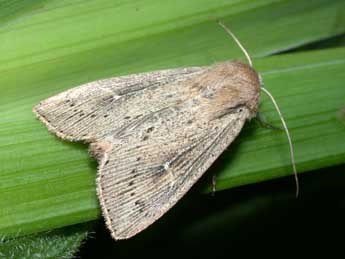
(154, 134)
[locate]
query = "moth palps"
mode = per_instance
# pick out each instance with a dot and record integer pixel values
(154, 134)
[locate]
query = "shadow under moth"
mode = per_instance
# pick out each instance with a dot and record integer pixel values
(154, 134)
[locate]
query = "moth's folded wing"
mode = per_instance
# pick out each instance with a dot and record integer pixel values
(88, 111)
(141, 179)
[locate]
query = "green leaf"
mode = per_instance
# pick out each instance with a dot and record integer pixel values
(47, 183)
(62, 244)
(12, 10)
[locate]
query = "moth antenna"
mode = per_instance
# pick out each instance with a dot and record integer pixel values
(292, 153)
(238, 42)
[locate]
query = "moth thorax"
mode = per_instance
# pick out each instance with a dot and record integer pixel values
(230, 85)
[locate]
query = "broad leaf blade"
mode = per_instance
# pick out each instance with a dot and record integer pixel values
(46, 183)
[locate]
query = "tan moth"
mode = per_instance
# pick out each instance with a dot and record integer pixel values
(154, 134)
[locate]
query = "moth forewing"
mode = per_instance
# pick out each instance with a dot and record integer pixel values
(87, 112)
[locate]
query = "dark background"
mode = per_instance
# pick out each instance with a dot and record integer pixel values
(257, 220)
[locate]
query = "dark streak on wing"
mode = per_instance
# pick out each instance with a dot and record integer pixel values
(133, 90)
(138, 122)
(153, 84)
(175, 161)
(201, 158)
(229, 110)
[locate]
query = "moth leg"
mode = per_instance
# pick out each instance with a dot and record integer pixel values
(214, 184)
(263, 123)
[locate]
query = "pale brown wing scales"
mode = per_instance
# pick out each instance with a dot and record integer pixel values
(140, 181)
(89, 111)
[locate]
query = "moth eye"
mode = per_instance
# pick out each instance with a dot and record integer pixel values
(106, 115)
(240, 109)
(127, 117)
